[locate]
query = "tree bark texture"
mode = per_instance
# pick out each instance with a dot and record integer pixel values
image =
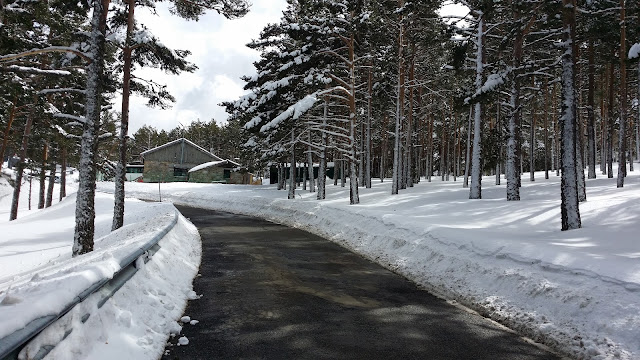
(569, 208)
(399, 111)
(63, 172)
(85, 200)
(120, 177)
(622, 133)
(475, 188)
(42, 176)
(52, 178)
(591, 119)
(20, 168)
(7, 131)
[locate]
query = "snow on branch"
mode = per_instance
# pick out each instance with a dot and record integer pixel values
(634, 52)
(32, 70)
(294, 111)
(78, 119)
(253, 122)
(66, 134)
(50, 91)
(493, 81)
(65, 49)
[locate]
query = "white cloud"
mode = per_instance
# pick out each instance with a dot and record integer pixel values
(218, 49)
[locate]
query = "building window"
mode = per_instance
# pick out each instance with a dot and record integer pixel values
(180, 172)
(135, 169)
(227, 174)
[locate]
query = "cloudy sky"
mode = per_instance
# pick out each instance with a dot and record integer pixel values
(218, 49)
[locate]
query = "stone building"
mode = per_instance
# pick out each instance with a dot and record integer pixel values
(224, 172)
(172, 161)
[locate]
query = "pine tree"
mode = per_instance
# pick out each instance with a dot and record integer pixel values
(144, 50)
(569, 208)
(85, 200)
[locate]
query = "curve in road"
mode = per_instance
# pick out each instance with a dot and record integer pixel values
(273, 292)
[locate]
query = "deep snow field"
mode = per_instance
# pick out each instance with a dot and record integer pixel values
(38, 277)
(576, 291)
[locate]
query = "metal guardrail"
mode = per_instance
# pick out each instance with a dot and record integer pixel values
(12, 344)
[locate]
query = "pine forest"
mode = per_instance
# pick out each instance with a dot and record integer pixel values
(388, 90)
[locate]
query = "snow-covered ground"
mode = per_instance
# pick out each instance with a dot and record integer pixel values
(577, 291)
(38, 277)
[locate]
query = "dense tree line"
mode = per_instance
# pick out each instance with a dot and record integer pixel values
(390, 88)
(383, 89)
(222, 140)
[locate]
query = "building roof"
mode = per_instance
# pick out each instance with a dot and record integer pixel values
(180, 141)
(214, 163)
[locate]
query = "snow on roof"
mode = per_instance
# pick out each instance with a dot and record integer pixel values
(214, 163)
(179, 141)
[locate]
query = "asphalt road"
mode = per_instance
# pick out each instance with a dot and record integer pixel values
(272, 292)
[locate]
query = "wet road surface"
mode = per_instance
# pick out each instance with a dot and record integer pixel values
(272, 292)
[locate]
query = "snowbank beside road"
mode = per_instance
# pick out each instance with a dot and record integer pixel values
(136, 322)
(39, 277)
(577, 291)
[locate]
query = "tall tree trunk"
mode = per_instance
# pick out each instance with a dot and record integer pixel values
(360, 143)
(456, 145)
(21, 165)
(591, 118)
(443, 149)
(546, 132)
(569, 208)
(7, 131)
(622, 133)
(305, 169)
(467, 158)
(500, 134)
(513, 190)
(121, 173)
(610, 122)
(513, 126)
(85, 199)
(292, 169)
(30, 188)
(310, 172)
(408, 148)
(582, 189)
(279, 180)
(385, 146)
(63, 172)
(430, 155)
(532, 138)
(399, 110)
(52, 178)
(354, 197)
(367, 140)
(556, 139)
(603, 122)
(43, 176)
(638, 119)
(475, 190)
(322, 168)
